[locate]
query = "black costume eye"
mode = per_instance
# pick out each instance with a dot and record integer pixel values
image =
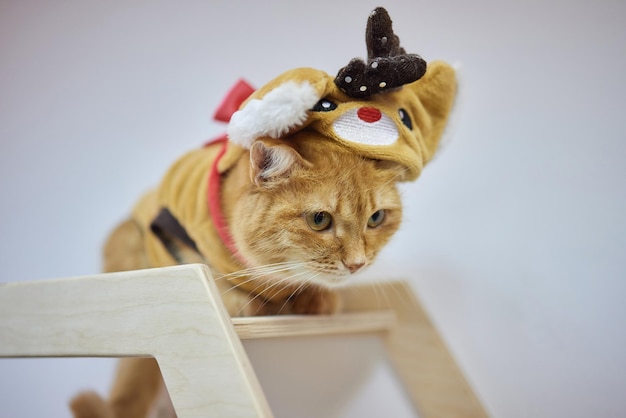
(324, 105)
(404, 116)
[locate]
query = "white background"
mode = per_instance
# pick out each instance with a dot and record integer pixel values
(514, 237)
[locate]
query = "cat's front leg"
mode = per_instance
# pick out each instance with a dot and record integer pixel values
(315, 301)
(242, 303)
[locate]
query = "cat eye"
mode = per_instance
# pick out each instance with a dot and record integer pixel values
(319, 221)
(376, 219)
(404, 117)
(324, 105)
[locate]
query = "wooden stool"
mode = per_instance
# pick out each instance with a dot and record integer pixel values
(175, 315)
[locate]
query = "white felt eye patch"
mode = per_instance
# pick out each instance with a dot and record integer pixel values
(366, 125)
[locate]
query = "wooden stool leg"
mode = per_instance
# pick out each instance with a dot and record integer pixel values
(419, 356)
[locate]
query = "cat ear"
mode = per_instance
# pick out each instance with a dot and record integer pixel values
(272, 162)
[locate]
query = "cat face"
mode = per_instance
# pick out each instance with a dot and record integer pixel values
(314, 217)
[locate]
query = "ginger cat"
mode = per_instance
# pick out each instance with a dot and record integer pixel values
(302, 220)
(300, 196)
(305, 221)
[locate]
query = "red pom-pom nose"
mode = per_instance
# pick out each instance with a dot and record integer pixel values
(369, 114)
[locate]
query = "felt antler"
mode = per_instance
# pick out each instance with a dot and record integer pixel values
(388, 65)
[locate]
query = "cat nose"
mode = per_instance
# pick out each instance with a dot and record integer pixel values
(353, 267)
(369, 114)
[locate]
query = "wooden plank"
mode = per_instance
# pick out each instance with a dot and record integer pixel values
(173, 314)
(294, 326)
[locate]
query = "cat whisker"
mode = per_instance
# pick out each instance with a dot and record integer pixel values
(299, 290)
(262, 271)
(257, 295)
(252, 279)
(380, 290)
(286, 283)
(255, 270)
(281, 263)
(403, 297)
(375, 286)
(287, 279)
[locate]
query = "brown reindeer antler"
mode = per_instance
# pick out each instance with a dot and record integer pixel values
(388, 65)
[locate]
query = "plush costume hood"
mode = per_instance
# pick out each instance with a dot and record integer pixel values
(393, 107)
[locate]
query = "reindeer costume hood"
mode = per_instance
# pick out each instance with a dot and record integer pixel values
(392, 107)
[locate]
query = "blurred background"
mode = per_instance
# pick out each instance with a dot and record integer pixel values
(514, 237)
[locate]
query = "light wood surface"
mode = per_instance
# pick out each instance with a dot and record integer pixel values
(297, 326)
(198, 346)
(140, 313)
(417, 352)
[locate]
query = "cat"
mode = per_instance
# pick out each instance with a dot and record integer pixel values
(302, 194)
(305, 222)
(302, 220)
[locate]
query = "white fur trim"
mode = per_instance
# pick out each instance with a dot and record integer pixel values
(273, 115)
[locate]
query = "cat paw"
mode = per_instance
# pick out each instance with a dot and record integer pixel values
(316, 301)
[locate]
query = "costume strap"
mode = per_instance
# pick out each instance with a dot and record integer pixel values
(214, 186)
